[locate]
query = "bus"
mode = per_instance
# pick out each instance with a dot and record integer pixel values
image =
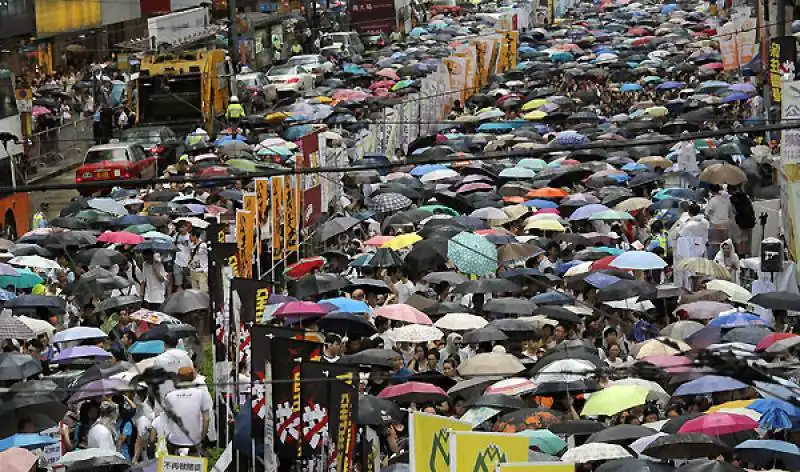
(15, 211)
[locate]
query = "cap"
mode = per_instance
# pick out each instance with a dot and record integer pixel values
(186, 374)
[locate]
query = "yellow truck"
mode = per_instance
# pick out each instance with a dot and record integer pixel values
(180, 90)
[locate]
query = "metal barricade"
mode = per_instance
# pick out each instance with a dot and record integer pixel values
(59, 148)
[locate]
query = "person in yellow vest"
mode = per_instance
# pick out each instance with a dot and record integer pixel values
(297, 49)
(196, 137)
(235, 111)
(40, 218)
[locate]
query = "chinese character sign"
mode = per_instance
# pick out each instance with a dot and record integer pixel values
(183, 464)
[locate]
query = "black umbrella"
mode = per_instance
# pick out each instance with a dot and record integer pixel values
(484, 335)
(336, 226)
(378, 357)
(777, 300)
(644, 179)
(709, 465)
(579, 427)
(624, 289)
(622, 434)
(514, 328)
(550, 389)
(185, 301)
(16, 366)
(434, 378)
(101, 370)
(22, 249)
(672, 425)
(385, 258)
(314, 285)
(488, 286)
(374, 411)
(427, 255)
(346, 324)
(37, 303)
(630, 464)
(115, 303)
(448, 277)
(557, 313)
(84, 288)
(104, 257)
(69, 222)
(164, 330)
(746, 334)
(502, 402)
(685, 446)
(509, 306)
(443, 308)
(369, 285)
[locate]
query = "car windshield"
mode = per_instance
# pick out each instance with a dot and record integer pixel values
(101, 155)
(282, 71)
(140, 136)
(247, 82)
(304, 60)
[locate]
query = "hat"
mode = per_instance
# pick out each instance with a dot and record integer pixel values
(186, 374)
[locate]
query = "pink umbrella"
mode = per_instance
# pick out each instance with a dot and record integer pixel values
(39, 110)
(378, 241)
(387, 84)
(474, 187)
(388, 73)
(718, 423)
(350, 95)
(306, 309)
(17, 459)
(120, 237)
(671, 364)
(713, 66)
(403, 312)
(414, 392)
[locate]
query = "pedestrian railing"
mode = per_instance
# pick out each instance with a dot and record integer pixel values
(59, 147)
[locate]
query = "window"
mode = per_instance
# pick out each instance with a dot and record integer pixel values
(138, 153)
(12, 7)
(8, 100)
(110, 155)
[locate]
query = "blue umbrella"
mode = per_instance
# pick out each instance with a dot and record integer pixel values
(540, 203)
(499, 127)
(472, 254)
(670, 85)
(680, 193)
(764, 453)
(293, 133)
(775, 419)
(601, 280)
(633, 167)
(147, 347)
(561, 57)
(361, 261)
(584, 212)
(709, 384)
(26, 441)
(417, 32)
(734, 320)
(517, 173)
(553, 298)
(566, 138)
(762, 405)
(419, 171)
(353, 69)
(638, 260)
(5, 295)
(735, 97)
(669, 8)
(129, 220)
(347, 305)
(630, 88)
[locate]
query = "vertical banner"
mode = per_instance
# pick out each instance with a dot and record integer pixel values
(312, 184)
(370, 450)
(535, 467)
(222, 255)
(262, 214)
(250, 204)
(344, 407)
(471, 451)
(291, 205)
(782, 58)
(253, 298)
(278, 213)
(429, 441)
(551, 12)
(790, 167)
(245, 242)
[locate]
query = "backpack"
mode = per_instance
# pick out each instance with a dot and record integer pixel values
(744, 215)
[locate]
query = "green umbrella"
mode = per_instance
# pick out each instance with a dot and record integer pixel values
(614, 399)
(472, 254)
(405, 83)
(140, 229)
(242, 164)
(611, 215)
(439, 209)
(25, 278)
(94, 216)
(544, 441)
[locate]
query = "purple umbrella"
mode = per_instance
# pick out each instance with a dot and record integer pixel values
(275, 299)
(6, 269)
(743, 87)
(736, 97)
(78, 352)
(709, 384)
(670, 85)
(195, 208)
(98, 388)
(584, 212)
(566, 138)
(600, 280)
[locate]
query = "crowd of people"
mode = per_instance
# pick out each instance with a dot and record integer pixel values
(605, 300)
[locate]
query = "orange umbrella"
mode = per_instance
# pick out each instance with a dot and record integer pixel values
(547, 192)
(516, 200)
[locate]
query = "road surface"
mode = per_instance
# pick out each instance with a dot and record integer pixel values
(57, 199)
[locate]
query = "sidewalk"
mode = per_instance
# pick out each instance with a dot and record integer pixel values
(71, 141)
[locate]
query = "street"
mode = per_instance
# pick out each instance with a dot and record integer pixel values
(57, 199)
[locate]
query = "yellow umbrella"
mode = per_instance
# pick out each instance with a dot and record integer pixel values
(656, 162)
(534, 115)
(323, 99)
(534, 104)
(614, 399)
(731, 404)
(277, 116)
(544, 225)
(403, 241)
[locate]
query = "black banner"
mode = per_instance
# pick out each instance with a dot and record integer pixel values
(220, 257)
(343, 414)
(316, 408)
(253, 295)
(782, 64)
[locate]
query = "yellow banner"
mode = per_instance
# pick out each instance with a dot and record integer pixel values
(535, 467)
(250, 204)
(471, 451)
(245, 237)
(291, 224)
(507, 59)
(429, 441)
(483, 56)
(278, 198)
(61, 16)
(262, 212)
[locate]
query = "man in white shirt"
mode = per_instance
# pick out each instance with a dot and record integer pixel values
(403, 287)
(171, 360)
(102, 434)
(692, 242)
(180, 268)
(198, 263)
(154, 280)
(189, 414)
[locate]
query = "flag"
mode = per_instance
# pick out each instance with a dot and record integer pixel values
(370, 450)
(222, 255)
(253, 298)
(429, 441)
(481, 452)
(245, 242)
(291, 226)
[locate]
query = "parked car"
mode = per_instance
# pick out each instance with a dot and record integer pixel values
(157, 141)
(314, 63)
(349, 40)
(255, 91)
(374, 40)
(117, 161)
(291, 79)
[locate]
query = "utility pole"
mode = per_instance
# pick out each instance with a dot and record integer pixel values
(232, 43)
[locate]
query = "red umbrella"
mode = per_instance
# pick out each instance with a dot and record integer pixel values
(775, 342)
(120, 237)
(304, 267)
(403, 312)
(642, 41)
(414, 392)
(474, 187)
(604, 263)
(717, 424)
(214, 171)
(299, 308)
(713, 66)
(387, 84)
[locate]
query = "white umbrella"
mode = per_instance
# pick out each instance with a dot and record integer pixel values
(38, 327)
(194, 221)
(34, 262)
(641, 444)
(415, 333)
(564, 370)
(632, 304)
(682, 329)
(578, 269)
(491, 363)
(594, 452)
(108, 205)
(489, 213)
(538, 321)
(460, 322)
(440, 174)
(92, 455)
(638, 260)
(735, 292)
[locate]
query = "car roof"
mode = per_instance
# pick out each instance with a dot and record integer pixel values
(103, 147)
(145, 128)
(306, 56)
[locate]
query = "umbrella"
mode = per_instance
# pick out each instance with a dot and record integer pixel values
(385, 258)
(346, 324)
(119, 237)
(388, 202)
(79, 333)
(766, 452)
(638, 260)
(594, 452)
(92, 459)
(486, 334)
(620, 434)
(472, 254)
(413, 392)
(35, 262)
(186, 301)
(374, 411)
(633, 465)
(80, 352)
(98, 388)
(703, 266)
(736, 319)
(304, 266)
(147, 348)
(779, 300)
(164, 330)
(404, 313)
(614, 399)
(709, 384)
(622, 290)
(16, 366)
(487, 286)
(25, 441)
(14, 328)
(372, 356)
(718, 423)
(498, 401)
(721, 174)
(681, 329)
(746, 334)
(702, 310)
(314, 285)
(685, 446)
(509, 306)
(777, 342)
(415, 333)
(544, 440)
(735, 292)
(577, 427)
(460, 322)
(347, 305)
(336, 226)
(16, 459)
(491, 363)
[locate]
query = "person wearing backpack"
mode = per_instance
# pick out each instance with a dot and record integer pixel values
(743, 220)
